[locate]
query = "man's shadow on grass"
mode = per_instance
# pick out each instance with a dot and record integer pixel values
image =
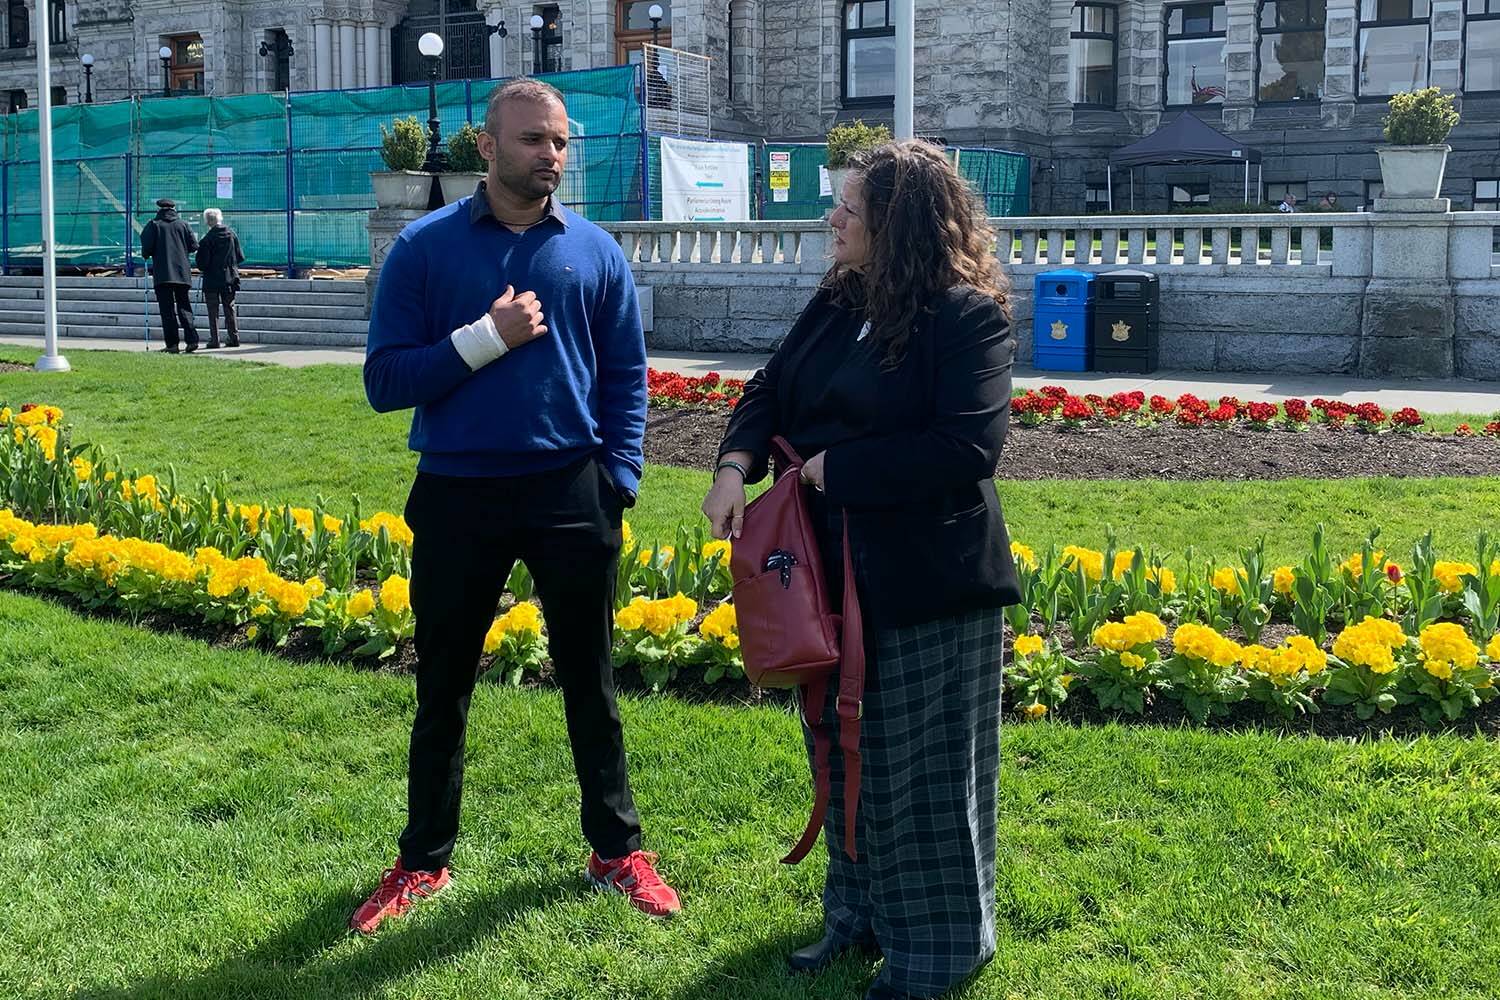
(296, 962)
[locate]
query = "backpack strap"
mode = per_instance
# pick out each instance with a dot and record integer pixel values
(849, 709)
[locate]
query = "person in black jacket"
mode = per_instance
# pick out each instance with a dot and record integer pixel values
(166, 241)
(894, 385)
(219, 260)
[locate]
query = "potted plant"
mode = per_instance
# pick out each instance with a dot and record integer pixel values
(404, 150)
(1412, 165)
(844, 141)
(465, 166)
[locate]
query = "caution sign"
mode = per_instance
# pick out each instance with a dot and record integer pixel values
(781, 171)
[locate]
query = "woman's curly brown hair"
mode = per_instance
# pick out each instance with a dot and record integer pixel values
(927, 233)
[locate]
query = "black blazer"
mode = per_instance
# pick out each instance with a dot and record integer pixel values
(925, 525)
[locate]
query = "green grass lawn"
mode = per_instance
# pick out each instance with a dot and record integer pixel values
(183, 822)
(288, 435)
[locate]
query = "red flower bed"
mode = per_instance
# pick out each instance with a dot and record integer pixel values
(1034, 408)
(672, 389)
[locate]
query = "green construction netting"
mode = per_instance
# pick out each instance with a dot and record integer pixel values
(300, 165)
(1002, 179)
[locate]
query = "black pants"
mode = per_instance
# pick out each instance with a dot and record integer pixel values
(565, 526)
(176, 311)
(214, 298)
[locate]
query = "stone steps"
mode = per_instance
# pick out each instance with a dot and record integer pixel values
(271, 311)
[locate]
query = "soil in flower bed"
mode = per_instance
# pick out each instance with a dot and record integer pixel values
(689, 437)
(7, 367)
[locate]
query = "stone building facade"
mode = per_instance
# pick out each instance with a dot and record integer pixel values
(1304, 81)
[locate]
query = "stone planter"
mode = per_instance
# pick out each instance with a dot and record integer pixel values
(456, 186)
(401, 188)
(1412, 171)
(836, 178)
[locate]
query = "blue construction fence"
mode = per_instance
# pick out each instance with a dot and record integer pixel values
(299, 166)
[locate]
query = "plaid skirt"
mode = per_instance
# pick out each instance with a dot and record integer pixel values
(924, 885)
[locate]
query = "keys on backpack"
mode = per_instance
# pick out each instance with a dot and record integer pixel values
(783, 561)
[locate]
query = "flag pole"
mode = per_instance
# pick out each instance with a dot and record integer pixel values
(50, 361)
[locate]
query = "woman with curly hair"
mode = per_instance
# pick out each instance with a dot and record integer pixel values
(894, 385)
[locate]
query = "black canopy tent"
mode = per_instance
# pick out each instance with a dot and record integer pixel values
(1184, 140)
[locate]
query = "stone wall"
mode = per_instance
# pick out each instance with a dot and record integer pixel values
(1409, 295)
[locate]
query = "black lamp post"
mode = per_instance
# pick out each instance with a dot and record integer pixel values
(655, 13)
(88, 78)
(165, 55)
(431, 46)
(536, 43)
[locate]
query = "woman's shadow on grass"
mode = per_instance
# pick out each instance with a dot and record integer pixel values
(296, 962)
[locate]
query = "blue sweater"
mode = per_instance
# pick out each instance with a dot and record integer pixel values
(579, 389)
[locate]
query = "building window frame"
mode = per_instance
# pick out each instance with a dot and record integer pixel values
(188, 76)
(1308, 27)
(859, 32)
(1194, 199)
(1488, 12)
(1486, 194)
(16, 12)
(628, 40)
(59, 9)
(15, 101)
(1078, 31)
(1377, 22)
(1283, 188)
(1218, 9)
(1095, 197)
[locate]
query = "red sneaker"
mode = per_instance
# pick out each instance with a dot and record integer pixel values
(398, 889)
(635, 876)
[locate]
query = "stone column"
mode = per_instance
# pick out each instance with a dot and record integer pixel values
(383, 226)
(348, 60)
(1408, 320)
(1140, 64)
(744, 29)
(372, 54)
(1340, 58)
(492, 17)
(1060, 75)
(1239, 59)
(1447, 44)
(323, 52)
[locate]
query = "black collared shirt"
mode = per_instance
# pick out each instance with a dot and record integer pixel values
(479, 209)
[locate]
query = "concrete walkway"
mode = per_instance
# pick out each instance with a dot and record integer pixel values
(1433, 396)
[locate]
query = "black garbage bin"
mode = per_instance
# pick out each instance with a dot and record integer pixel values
(1127, 314)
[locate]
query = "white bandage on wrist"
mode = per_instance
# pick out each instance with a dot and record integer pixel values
(478, 343)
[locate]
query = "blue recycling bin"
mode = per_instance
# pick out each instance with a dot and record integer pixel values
(1063, 313)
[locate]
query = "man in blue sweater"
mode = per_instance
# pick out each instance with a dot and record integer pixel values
(510, 324)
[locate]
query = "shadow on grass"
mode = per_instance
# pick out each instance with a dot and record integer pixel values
(307, 959)
(759, 972)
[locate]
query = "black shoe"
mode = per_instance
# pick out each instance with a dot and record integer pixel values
(191, 348)
(172, 350)
(212, 345)
(821, 954)
(233, 342)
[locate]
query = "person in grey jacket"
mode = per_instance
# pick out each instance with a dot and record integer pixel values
(166, 241)
(219, 259)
